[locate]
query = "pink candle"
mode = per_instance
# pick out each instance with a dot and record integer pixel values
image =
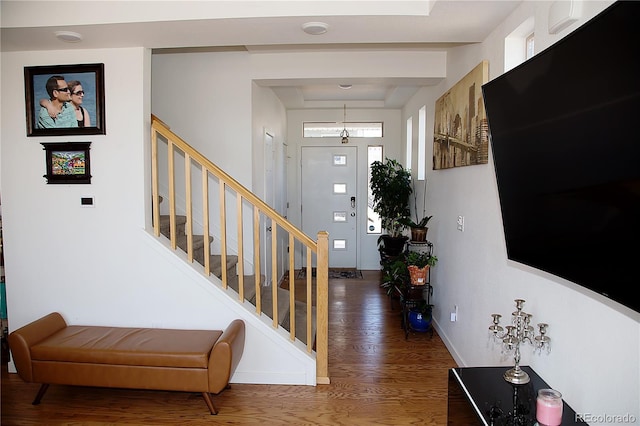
(549, 407)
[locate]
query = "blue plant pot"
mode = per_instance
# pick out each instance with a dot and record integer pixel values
(419, 322)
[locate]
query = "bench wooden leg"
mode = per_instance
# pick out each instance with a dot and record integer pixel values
(40, 394)
(209, 401)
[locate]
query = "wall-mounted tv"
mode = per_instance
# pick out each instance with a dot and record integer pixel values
(565, 137)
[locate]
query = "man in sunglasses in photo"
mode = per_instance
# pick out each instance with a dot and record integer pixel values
(60, 97)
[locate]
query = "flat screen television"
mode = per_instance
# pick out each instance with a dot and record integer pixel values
(565, 136)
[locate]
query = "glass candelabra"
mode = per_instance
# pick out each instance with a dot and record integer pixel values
(512, 336)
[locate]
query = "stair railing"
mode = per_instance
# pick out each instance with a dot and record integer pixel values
(319, 249)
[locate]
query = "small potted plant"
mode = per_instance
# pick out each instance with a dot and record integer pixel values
(418, 265)
(420, 317)
(418, 229)
(419, 226)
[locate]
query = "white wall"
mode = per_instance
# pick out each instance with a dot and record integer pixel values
(206, 99)
(194, 94)
(595, 356)
(54, 249)
(99, 265)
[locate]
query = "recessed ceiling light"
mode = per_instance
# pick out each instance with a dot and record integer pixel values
(68, 36)
(315, 28)
(345, 86)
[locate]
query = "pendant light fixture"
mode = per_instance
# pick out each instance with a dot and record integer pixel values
(344, 134)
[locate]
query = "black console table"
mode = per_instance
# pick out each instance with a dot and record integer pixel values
(480, 396)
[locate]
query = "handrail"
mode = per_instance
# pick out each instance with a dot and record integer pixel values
(226, 182)
(238, 187)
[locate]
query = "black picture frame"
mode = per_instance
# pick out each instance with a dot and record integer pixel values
(68, 162)
(91, 76)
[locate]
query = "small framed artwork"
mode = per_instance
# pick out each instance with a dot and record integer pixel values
(64, 100)
(68, 162)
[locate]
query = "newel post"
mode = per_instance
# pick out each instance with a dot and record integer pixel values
(322, 305)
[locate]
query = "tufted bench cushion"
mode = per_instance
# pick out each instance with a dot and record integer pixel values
(128, 346)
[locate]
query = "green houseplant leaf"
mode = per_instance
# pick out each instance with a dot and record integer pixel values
(407, 221)
(391, 188)
(420, 260)
(394, 274)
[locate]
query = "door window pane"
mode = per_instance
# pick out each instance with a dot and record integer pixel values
(339, 188)
(339, 160)
(339, 244)
(339, 216)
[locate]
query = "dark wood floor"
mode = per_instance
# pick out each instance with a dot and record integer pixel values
(377, 377)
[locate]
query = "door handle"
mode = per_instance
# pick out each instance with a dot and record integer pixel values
(353, 202)
(269, 228)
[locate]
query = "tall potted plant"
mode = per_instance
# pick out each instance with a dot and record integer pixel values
(391, 188)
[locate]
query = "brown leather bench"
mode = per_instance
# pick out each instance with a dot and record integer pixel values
(48, 351)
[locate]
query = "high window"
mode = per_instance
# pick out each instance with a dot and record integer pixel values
(409, 141)
(519, 45)
(333, 129)
(530, 46)
(422, 141)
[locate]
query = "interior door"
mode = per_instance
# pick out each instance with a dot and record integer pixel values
(282, 204)
(329, 200)
(266, 252)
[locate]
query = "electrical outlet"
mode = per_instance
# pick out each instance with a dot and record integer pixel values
(460, 223)
(454, 314)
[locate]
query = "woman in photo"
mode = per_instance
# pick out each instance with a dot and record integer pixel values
(77, 96)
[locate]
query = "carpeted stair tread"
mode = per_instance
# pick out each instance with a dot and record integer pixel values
(181, 237)
(198, 246)
(301, 321)
(165, 225)
(215, 263)
(198, 241)
(249, 287)
(267, 302)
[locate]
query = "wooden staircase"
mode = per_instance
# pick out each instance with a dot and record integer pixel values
(266, 299)
(240, 214)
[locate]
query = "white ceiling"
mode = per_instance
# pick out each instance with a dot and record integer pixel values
(258, 26)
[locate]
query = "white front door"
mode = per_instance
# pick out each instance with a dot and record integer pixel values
(329, 200)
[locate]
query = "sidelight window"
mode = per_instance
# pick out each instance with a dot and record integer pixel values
(374, 223)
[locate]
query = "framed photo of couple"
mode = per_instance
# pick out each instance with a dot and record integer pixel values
(64, 100)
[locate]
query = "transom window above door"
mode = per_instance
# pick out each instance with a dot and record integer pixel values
(333, 129)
